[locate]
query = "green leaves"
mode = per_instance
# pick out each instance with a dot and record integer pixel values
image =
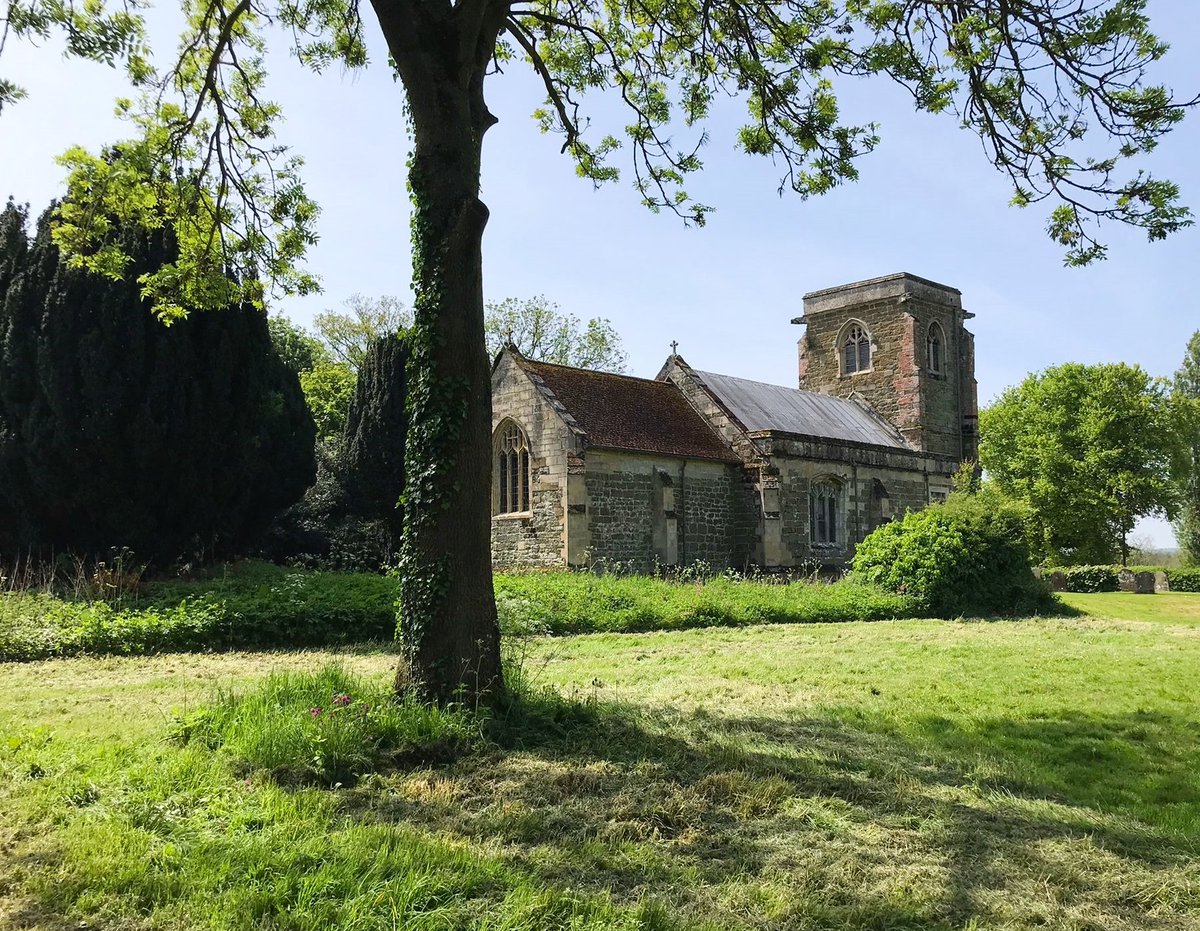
(1057, 90)
(1090, 448)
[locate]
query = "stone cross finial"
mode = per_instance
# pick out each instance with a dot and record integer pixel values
(674, 347)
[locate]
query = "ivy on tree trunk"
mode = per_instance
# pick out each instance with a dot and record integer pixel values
(448, 629)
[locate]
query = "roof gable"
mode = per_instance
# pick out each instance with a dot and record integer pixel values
(626, 413)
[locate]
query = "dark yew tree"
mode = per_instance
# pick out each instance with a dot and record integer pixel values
(116, 431)
(376, 427)
(1058, 91)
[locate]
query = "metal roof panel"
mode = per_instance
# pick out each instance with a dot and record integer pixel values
(762, 408)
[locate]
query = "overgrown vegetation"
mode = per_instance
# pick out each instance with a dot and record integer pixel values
(258, 605)
(967, 556)
(328, 727)
(574, 603)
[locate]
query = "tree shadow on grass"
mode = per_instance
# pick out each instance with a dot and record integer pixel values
(829, 820)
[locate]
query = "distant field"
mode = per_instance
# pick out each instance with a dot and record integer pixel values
(1181, 608)
(894, 775)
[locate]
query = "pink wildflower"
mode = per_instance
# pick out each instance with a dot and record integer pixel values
(342, 700)
(314, 711)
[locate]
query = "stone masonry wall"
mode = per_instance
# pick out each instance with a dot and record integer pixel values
(928, 408)
(537, 537)
(876, 485)
(629, 519)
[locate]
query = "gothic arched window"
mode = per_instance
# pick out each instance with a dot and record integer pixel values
(824, 508)
(934, 351)
(512, 469)
(856, 350)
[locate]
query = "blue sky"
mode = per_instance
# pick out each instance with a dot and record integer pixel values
(927, 202)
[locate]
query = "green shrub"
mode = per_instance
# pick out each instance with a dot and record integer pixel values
(967, 556)
(329, 727)
(1090, 578)
(1184, 580)
(1104, 578)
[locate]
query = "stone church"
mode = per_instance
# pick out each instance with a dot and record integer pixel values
(591, 467)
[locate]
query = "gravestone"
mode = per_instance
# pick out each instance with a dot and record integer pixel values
(1138, 583)
(1161, 582)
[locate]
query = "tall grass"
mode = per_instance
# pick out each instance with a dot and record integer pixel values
(327, 727)
(256, 605)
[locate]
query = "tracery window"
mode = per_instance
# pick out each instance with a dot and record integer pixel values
(856, 351)
(933, 348)
(823, 513)
(512, 469)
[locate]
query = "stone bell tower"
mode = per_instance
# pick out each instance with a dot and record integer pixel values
(900, 344)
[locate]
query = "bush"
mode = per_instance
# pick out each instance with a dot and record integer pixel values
(1184, 580)
(328, 727)
(1087, 579)
(1090, 578)
(968, 556)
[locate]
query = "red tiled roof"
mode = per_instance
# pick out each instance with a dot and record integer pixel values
(621, 412)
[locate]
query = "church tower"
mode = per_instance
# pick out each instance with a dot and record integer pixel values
(900, 344)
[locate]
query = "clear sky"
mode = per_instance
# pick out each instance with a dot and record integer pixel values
(927, 203)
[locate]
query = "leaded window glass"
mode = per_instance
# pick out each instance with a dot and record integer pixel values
(512, 470)
(823, 513)
(856, 351)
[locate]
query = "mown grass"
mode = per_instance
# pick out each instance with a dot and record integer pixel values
(257, 605)
(914, 775)
(1182, 608)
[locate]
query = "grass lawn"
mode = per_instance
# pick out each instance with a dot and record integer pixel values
(1181, 608)
(895, 775)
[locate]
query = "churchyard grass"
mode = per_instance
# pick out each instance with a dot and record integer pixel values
(1177, 608)
(911, 774)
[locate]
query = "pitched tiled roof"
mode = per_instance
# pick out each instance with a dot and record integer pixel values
(762, 408)
(636, 414)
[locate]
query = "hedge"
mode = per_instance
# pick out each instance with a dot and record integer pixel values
(1086, 579)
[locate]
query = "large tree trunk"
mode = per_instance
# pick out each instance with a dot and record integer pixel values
(448, 629)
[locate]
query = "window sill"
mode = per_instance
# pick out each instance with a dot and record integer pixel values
(859, 372)
(514, 515)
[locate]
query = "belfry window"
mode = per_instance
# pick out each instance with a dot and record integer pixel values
(823, 513)
(856, 351)
(512, 470)
(933, 349)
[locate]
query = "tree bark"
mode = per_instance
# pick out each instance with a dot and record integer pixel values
(448, 628)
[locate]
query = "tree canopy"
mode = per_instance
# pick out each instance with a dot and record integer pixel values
(116, 431)
(349, 334)
(1091, 448)
(1187, 397)
(542, 332)
(1060, 92)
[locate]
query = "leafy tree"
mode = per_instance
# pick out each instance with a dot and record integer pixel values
(542, 332)
(1057, 90)
(1187, 396)
(348, 335)
(118, 431)
(300, 350)
(328, 389)
(1091, 448)
(375, 434)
